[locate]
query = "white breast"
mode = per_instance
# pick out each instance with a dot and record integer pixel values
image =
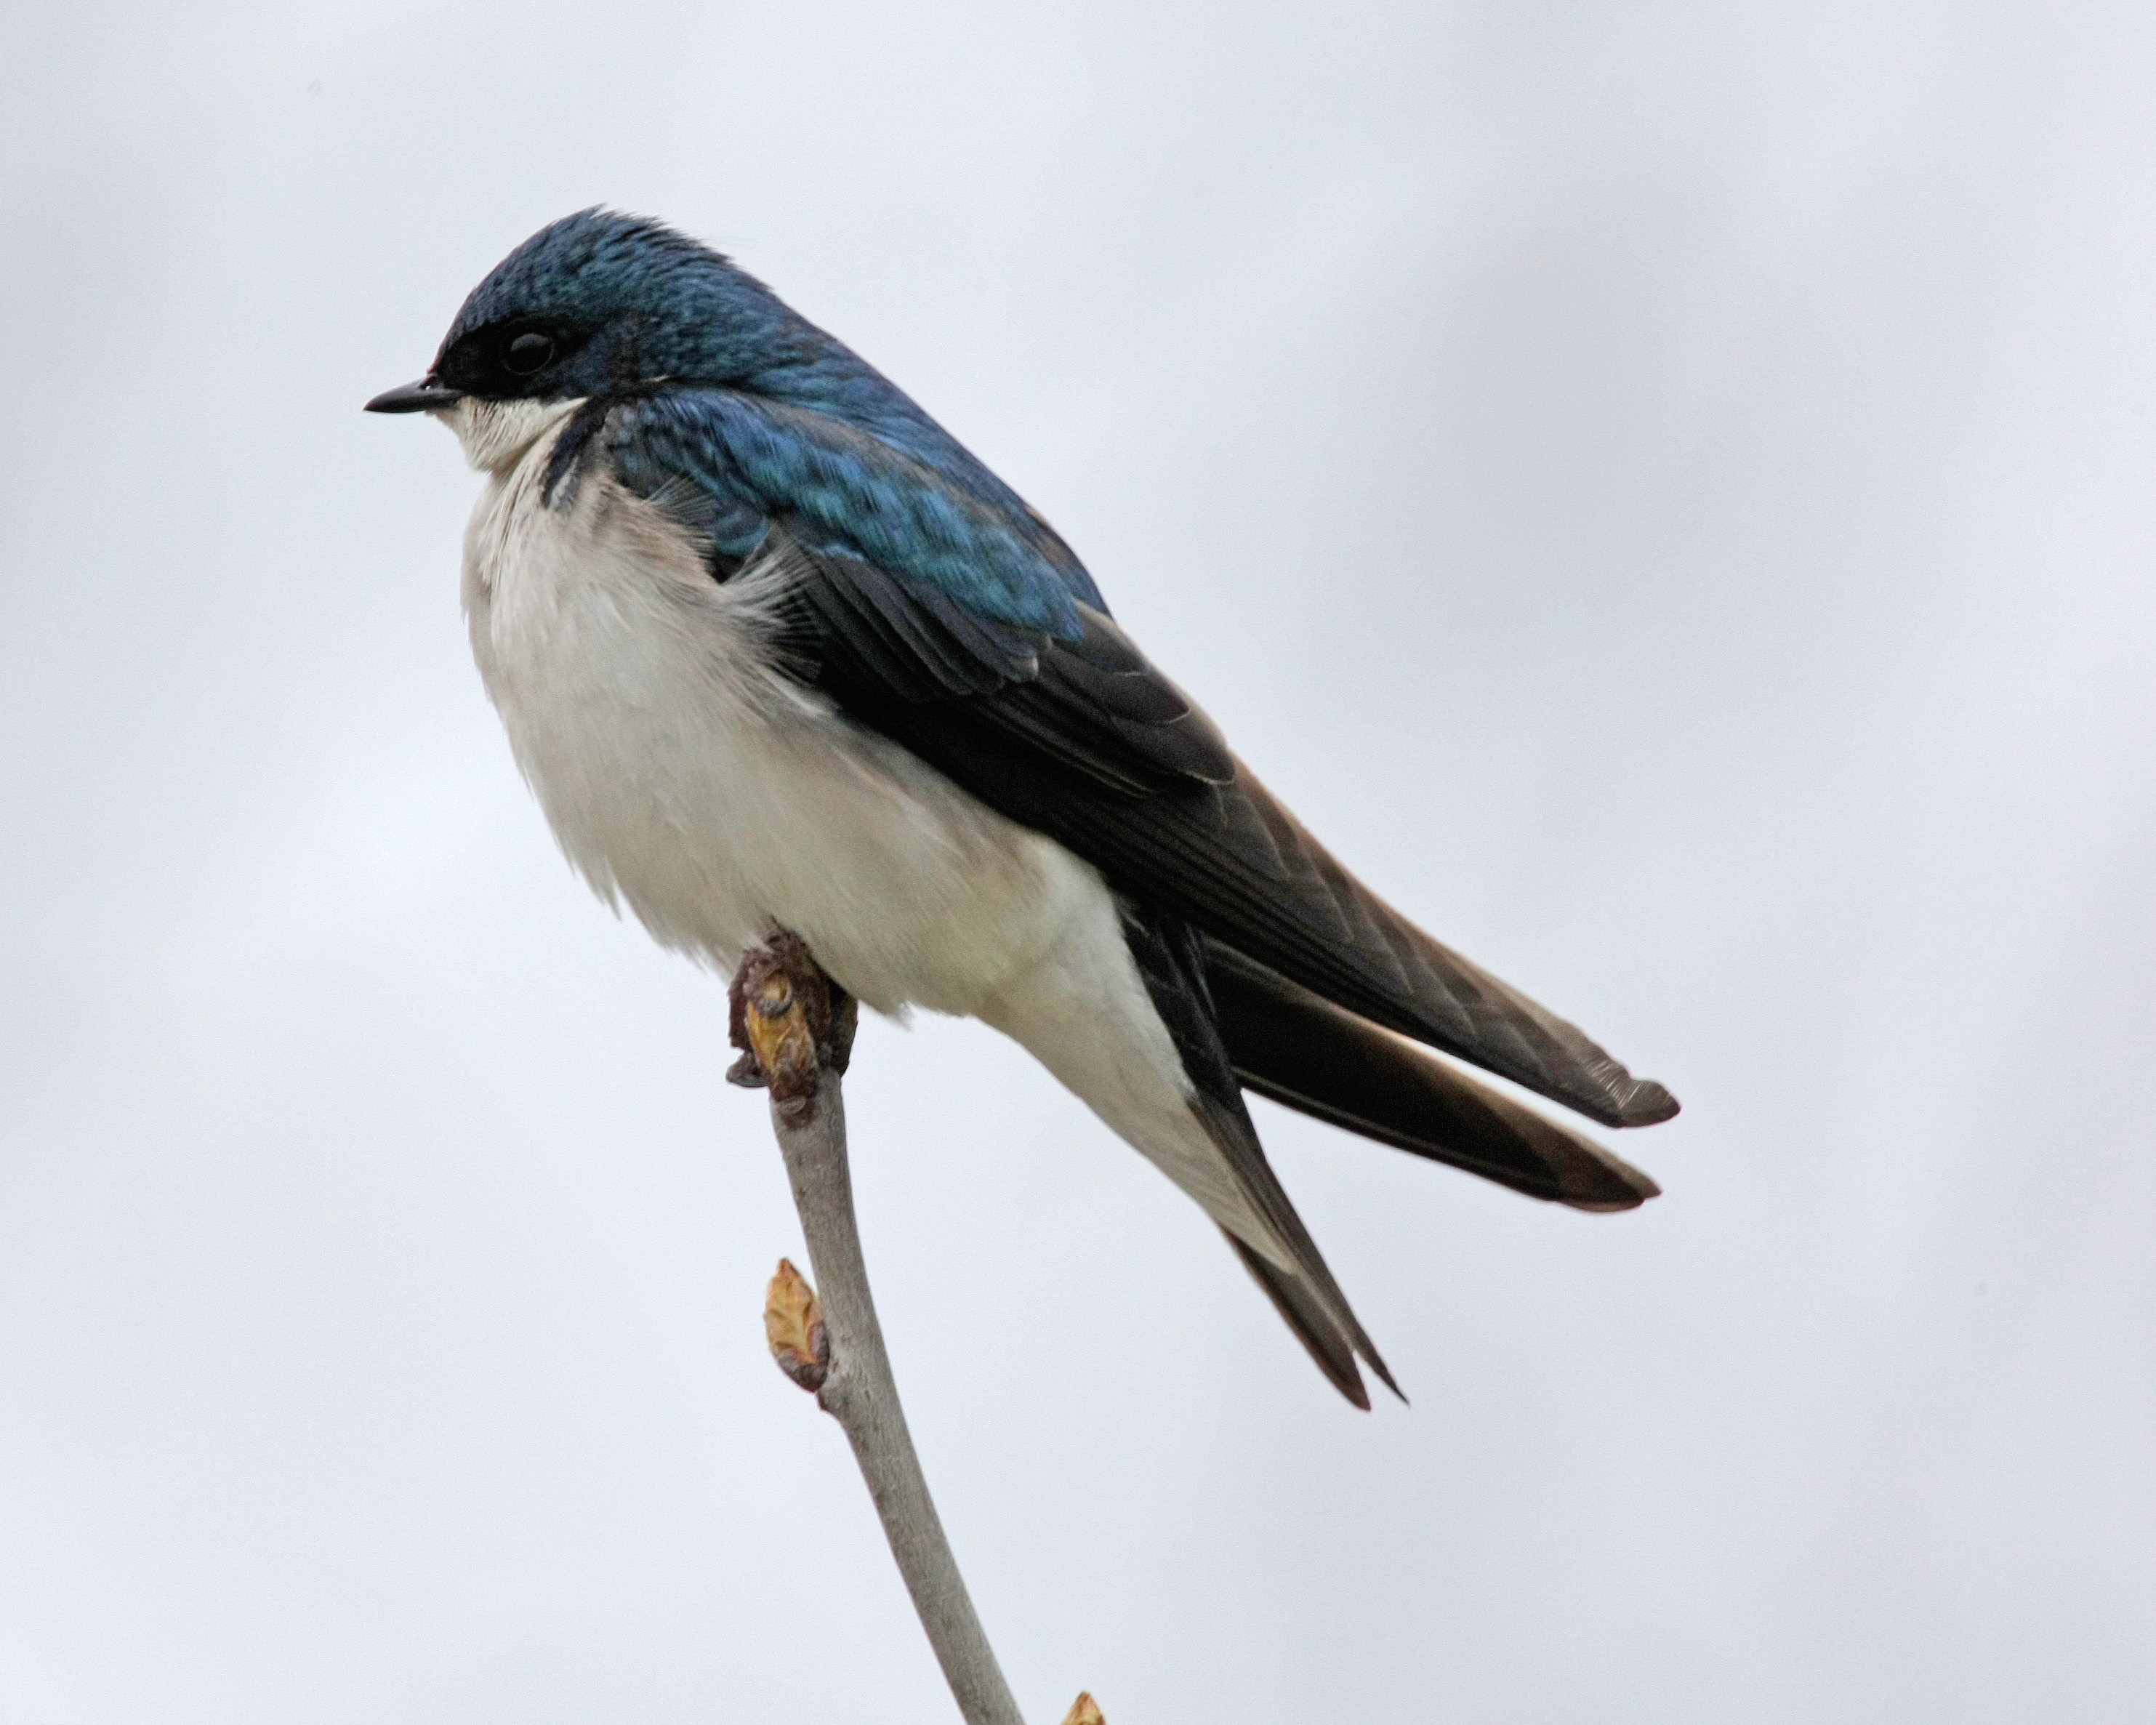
(686, 775)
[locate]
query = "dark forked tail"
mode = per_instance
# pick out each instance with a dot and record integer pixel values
(1237, 1024)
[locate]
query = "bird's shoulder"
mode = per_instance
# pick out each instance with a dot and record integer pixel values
(901, 576)
(888, 488)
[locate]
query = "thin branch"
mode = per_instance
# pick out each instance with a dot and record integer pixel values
(795, 1029)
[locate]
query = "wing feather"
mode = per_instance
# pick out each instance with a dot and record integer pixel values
(1171, 818)
(969, 634)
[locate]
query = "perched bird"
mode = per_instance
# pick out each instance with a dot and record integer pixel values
(774, 650)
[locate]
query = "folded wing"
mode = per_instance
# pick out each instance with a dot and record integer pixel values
(1097, 749)
(1030, 696)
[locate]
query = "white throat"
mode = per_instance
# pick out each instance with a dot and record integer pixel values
(496, 433)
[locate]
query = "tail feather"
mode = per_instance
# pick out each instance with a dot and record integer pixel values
(1237, 1024)
(1171, 961)
(1333, 1352)
(1300, 1050)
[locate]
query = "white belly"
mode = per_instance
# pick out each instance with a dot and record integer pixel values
(686, 777)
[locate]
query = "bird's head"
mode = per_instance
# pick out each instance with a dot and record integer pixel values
(601, 303)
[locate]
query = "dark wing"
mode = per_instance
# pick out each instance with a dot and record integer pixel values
(940, 611)
(1084, 739)
(1285, 1043)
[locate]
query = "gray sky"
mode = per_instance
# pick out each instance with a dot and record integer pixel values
(1664, 491)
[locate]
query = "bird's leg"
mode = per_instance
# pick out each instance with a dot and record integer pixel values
(795, 1029)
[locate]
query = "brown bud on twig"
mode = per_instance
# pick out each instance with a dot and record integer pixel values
(1084, 1712)
(793, 1325)
(790, 1022)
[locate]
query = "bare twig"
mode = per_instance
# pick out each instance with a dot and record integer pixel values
(795, 1029)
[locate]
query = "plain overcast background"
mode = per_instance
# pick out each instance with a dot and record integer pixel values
(1665, 491)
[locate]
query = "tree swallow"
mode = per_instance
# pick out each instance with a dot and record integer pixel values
(774, 651)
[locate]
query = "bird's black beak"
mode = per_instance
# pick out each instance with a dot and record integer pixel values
(424, 396)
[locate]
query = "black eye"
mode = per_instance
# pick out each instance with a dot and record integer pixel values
(528, 352)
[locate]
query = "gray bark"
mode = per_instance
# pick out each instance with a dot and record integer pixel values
(795, 1030)
(860, 1394)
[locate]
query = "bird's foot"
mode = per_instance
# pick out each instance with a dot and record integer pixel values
(790, 1022)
